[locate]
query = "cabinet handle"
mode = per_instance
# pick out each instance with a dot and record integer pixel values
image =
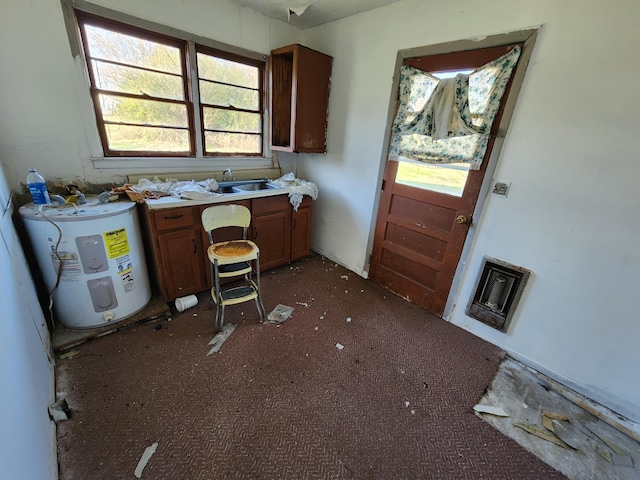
(194, 245)
(255, 233)
(173, 217)
(295, 223)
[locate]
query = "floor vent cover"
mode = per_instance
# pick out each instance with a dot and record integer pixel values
(497, 292)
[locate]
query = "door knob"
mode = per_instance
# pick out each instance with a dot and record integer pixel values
(462, 219)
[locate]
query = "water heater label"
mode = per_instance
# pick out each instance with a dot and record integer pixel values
(125, 270)
(64, 252)
(116, 242)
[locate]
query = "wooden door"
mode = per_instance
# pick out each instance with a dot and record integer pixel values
(422, 224)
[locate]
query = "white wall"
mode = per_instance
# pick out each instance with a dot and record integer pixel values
(27, 437)
(47, 119)
(571, 155)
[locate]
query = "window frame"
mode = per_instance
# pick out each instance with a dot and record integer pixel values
(188, 46)
(214, 52)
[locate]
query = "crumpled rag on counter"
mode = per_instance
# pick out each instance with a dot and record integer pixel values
(297, 188)
(190, 189)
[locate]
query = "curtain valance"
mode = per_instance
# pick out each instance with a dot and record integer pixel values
(449, 120)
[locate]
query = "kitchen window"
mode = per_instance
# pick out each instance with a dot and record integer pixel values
(159, 96)
(230, 101)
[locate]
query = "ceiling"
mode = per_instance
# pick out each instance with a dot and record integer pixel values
(311, 13)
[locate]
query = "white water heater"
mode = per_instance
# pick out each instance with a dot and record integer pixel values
(94, 251)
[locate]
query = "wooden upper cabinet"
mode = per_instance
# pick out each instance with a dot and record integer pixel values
(299, 97)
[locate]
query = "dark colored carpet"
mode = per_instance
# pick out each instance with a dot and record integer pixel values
(283, 402)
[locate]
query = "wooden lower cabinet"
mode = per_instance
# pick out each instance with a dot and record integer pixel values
(174, 248)
(301, 230)
(176, 244)
(181, 262)
(271, 230)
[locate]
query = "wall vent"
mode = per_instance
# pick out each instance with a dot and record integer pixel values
(497, 293)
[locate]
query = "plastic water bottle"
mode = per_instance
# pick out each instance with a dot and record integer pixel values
(38, 188)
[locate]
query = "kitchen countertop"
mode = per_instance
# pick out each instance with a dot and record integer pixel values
(174, 202)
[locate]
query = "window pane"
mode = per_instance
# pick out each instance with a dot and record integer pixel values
(232, 143)
(227, 71)
(139, 82)
(444, 178)
(146, 112)
(226, 96)
(228, 120)
(118, 47)
(150, 139)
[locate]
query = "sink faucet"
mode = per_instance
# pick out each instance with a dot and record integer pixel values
(224, 175)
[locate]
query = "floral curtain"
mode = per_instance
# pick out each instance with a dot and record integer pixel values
(449, 120)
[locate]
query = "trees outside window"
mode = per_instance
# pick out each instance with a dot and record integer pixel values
(231, 102)
(145, 102)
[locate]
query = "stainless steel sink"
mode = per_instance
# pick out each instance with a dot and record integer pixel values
(245, 186)
(251, 187)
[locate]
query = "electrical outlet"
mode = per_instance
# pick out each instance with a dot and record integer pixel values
(501, 189)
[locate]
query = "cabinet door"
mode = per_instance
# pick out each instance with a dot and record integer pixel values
(299, 96)
(272, 234)
(271, 230)
(313, 73)
(182, 265)
(301, 231)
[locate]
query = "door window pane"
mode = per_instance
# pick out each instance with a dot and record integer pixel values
(447, 178)
(442, 178)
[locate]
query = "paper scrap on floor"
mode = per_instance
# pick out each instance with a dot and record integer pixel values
(279, 314)
(221, 337)
(145, 458)
(490, 409)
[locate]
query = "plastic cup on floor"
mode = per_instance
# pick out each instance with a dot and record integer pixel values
(183, 303)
